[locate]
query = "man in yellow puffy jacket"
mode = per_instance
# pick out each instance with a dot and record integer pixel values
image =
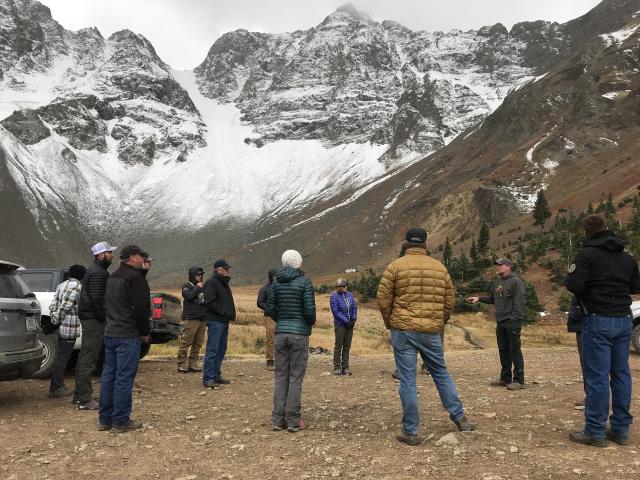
(416, 298)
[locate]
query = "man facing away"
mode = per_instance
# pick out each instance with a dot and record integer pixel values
(220, 310)
(603, 276)
(92, 314)
(128, 307)
(415, 296)
(269, 323)
(63, 311)
(508, 295)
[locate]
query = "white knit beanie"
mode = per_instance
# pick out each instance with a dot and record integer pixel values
(291, 258)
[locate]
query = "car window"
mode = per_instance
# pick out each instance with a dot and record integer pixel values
(38, 281)
(11, 285)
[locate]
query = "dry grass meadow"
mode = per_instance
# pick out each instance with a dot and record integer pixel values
(247, 334)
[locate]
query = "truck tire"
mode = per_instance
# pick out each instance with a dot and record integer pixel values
(635, 338)
(50, 348)
(144, 349)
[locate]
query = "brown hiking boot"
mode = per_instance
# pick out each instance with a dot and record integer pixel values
(411, 439)
(618, 438)
(515, 386)
(584, 439)
(127, 427)
(498, 383)
(464, 425)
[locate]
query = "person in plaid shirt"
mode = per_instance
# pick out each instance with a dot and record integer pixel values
(64, 312)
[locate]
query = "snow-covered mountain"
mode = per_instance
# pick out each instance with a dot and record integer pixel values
(271, 131)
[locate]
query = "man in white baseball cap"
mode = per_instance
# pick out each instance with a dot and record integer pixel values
(102, 247)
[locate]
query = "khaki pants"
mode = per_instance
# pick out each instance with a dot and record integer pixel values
(270, 326)
(192, 336)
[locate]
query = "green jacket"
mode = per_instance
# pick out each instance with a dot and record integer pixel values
(291, 302)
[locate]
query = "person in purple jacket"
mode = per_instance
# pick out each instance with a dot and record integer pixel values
(344, 310)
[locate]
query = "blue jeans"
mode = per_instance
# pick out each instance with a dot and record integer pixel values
(406, 345)
(217, 336)
(605, 353)
(121, 358)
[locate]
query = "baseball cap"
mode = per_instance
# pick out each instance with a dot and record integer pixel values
(131, 250)
(102, 247)
(416, 235)
(221, 263)
(504, 261)
(341, 282)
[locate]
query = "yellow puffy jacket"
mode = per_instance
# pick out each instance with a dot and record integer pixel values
(416, 293)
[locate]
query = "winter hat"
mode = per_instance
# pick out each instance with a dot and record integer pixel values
(77, 272)
(416, 235)
(131, 250)
(291, 258)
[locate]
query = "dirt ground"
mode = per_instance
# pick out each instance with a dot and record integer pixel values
(191, 433)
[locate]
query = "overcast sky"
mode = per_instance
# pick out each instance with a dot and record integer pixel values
(183, 30)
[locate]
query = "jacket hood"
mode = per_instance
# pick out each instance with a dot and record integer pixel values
(287, 274)
(192, 273)
(606, 240)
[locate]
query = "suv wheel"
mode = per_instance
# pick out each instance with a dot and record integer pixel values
(144, 349)
(635, 338)
(50, 348)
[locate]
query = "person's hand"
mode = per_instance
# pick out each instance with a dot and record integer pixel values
(473, 299)
(199, 284)
(144, 339)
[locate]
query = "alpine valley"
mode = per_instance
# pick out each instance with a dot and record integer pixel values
(330, 140)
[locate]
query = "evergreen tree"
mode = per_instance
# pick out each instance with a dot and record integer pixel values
(473, 251)
(590, 209)
(447, 253)
(541, 212)
(483, 239)
(609, 209)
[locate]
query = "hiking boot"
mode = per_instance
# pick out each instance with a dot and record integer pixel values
(515, 386)
(337, 371)
(464, 425)
(103, 427)
(127, 427)
(194, 368)
(346, 371)
(222, 381)
(579, 403)
(583, 438)
(210, 384)
(618, 438)
(301, 426)
(424, 370)
(498, 383)
(395, 375)
(271, 365)
(277, 428)
(412, 439)
(182, 369)
(90, 405)
(61, 392)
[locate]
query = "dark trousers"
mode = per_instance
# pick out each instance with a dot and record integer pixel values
(121, 358)
(65, 349)
(342, 346)
(92, 335)
(579, 343)
(508, 336)
(291, 354)
(217, 338)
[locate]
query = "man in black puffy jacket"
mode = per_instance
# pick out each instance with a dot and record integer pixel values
(193, 310)
(220, 310)
(92, 314)
(603, 276)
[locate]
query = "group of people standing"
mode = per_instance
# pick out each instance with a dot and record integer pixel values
(416, 298)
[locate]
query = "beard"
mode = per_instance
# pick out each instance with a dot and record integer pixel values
(105, 263)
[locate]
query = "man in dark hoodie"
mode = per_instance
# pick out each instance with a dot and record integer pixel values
(219, 311)
(508, 295)
(193, 311)
(127, 325)
(269, 323)
(92, 313)
(603, 276)
(291, 303)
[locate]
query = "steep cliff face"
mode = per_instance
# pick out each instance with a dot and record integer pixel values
(349, 130)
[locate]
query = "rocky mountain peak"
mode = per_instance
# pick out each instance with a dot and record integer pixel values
(345, 14)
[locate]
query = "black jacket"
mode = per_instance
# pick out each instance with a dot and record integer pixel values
(263, 294)
(128, 303)
(604, 276)
(508, 295)
(218, 300)
(94, 284)
(193, 305)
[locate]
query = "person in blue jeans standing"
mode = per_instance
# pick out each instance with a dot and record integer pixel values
(220, 309)
(603, 276)
(416, 298)
(345, 312)
(127, 325)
